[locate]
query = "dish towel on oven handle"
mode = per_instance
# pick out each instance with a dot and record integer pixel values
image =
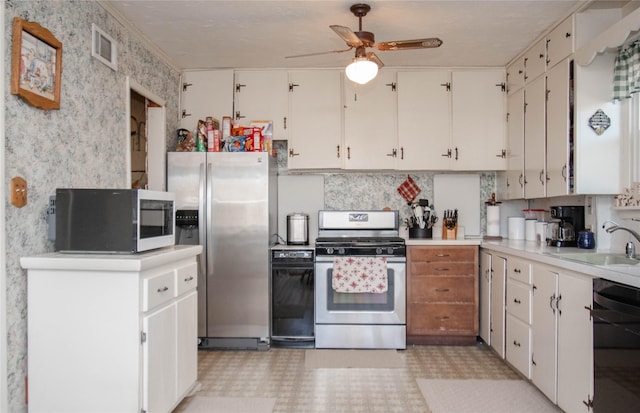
(359, 275)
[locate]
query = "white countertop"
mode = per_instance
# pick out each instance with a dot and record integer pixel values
(110, 262)
(626, 274)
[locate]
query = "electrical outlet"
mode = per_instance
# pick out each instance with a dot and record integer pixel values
(18, 192)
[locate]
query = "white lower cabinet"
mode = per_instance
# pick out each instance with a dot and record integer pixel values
(112, 333)
(492, 315)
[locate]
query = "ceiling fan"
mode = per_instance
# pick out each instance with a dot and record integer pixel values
(361, 40)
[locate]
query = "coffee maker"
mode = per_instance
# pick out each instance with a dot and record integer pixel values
(566, 222)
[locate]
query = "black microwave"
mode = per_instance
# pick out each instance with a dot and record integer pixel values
(117, 221)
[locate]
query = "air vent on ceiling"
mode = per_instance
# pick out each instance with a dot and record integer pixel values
(104, 48)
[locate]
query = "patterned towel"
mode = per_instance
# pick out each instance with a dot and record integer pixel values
(359, 275)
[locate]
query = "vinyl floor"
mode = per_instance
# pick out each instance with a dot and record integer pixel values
(280, 373)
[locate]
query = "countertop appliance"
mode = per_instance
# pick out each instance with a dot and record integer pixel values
(113, 221)
(616, 347)
(566, 223)
(298, 228)
(292, 297)
(235, 195)
(373, 314)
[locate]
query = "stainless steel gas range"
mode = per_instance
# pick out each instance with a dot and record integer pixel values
(360, 280)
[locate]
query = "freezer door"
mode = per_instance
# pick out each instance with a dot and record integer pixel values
(238, 244)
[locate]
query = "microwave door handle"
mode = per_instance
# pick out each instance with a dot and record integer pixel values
(209, 223)
(202, 223)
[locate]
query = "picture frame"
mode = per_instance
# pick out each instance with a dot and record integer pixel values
(36, 65)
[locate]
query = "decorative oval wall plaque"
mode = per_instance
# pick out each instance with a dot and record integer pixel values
(599, 122)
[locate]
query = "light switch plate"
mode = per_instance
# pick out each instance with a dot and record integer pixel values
(18, 192)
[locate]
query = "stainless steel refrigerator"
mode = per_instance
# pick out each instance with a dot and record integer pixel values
(235, 195)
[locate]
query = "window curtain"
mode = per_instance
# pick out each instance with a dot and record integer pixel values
(626, 77)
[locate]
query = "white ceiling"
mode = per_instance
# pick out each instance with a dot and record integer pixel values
(259, 34)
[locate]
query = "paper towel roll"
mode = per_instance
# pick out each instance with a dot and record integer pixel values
(516, 227)
(493, 220)
(530, 229)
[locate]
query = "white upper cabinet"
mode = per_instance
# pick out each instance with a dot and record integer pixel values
(315, 134)
(478, 120)
(262, 95)
(205, 93)
(559, 169)
(535, 61)
(534, 139)
(424, 119)
(370, 123)
(560, 42)
(515, 144)
(515, 75)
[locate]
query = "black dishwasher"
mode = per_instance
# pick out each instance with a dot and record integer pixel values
(616, 347)
(292, 297)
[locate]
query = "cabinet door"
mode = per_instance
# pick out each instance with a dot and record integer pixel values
(205, 93)
(187, 342)
(534, 139)
(159, 360)
(485, 297)
(515, 76)
(498, 280)
(478, 120)
(262, 95)
(315, 133)
(560, 42)
(575, 351)
(515, 145)
(543, 331)
(558, 139)
(424, 120)
(518, 345)
(535, 61)
(370, 123)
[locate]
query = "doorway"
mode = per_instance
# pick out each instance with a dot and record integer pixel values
(147, 139)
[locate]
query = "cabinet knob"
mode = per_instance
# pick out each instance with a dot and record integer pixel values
(515, 343)
(163, 289)
(515, 300)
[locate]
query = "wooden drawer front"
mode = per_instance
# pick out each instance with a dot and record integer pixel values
(519, 270)
(187, 278)
(158, 290)
(442, 290)
(443, 268)
(519, 301)
(442, 254)
(442, 319)
(517, 345)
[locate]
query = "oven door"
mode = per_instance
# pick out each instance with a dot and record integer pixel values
(361, 308)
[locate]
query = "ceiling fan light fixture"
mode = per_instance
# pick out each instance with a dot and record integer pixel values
(361, 70)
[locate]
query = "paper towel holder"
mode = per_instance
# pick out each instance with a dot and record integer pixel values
(493, 228)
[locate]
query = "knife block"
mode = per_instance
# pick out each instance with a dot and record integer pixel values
(449, 233)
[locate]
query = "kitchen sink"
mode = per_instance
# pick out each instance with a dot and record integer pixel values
(598, 258)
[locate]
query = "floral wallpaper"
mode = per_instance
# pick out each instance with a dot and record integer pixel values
(83, 144)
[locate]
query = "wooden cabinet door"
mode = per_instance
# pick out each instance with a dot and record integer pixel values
(370, 123)
(478, 120)
(262, 95)
(205, 93)
(534, 139)
(424, 119)
(559, 169)
(515, 145)
(544, 331)
(315, 134)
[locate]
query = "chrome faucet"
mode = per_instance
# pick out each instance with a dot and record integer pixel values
(630, 249)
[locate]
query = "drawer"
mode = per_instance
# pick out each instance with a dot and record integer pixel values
(158, 290)
(519, 301)
(519, 270)
(442, 254)
(443, 268)
(187, 278)
(517, 347)
(442, 319)
(442, 290)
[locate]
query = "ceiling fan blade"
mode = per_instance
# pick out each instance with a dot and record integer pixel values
(347, 35)
(409, 44)
(375, 59)
(320, 53)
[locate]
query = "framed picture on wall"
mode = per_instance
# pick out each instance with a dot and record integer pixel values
(36, 65)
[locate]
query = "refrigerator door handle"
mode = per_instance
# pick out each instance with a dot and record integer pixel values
(202, 222)
(209, 219)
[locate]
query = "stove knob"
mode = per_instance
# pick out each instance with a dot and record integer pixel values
(341, 251)
(330, 251)
(378, 251)
(390, 250)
